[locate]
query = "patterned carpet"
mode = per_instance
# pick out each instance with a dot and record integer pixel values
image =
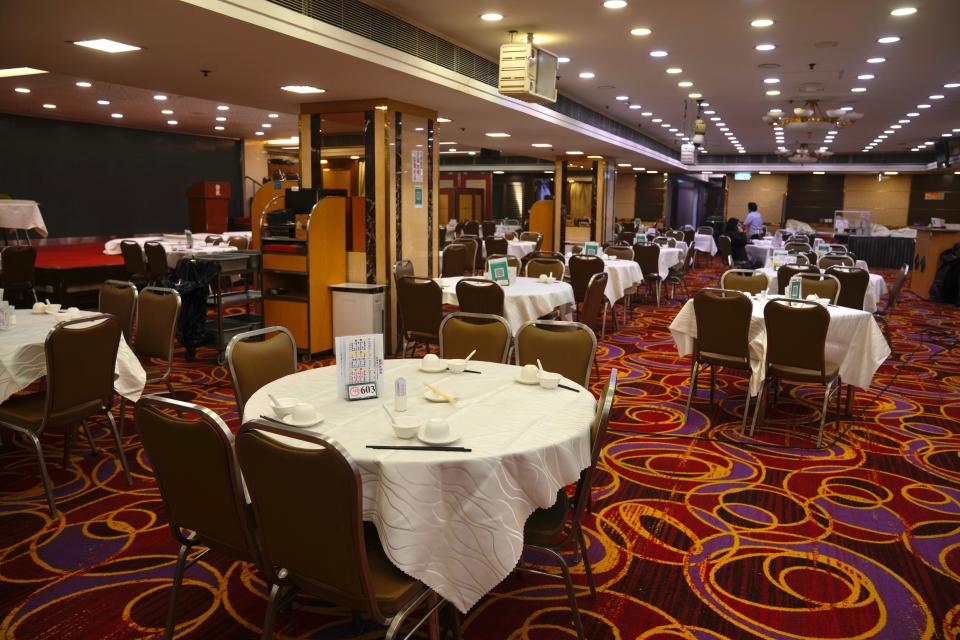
(698, 532)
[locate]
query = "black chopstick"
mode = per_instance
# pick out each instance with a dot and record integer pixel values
(568, 388)
(274, 420)
(471, 371)
(415, 448)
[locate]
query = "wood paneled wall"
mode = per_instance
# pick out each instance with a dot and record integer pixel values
(625, 196)
(925, 186)
(650, 196)
(888, 199)
(813, 198)
(766, 191)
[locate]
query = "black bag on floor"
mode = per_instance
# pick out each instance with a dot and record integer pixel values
(192, 279)
(946, 284)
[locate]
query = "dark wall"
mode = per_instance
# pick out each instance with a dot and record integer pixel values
(95, 180)
(650, 195)
(812, 198)
(921, 209)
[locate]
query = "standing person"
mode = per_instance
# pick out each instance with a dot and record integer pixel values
(753, 221)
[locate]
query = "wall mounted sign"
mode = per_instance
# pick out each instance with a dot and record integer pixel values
(934, 195)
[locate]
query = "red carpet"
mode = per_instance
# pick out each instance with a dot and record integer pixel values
(65, 256)
(698, 532)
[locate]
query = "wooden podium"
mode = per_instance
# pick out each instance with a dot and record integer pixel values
(930, 244)
(209, 203)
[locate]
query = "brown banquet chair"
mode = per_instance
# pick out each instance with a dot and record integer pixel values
(820, 285)
(420, 303)
(512, 261)
(745, 280)
(256, 358)
(242, 243)
(593, 311)
(18, 272)
(567, 348)
(648, 257)
(883, 315)
(119, 299)
(853, 285)
(81, 358)
(495, 245)
(343, 564)
(787, 271)
(536, 267)
(157, 269)
(134, 262)
(478, 295)
(453, 260)
(461, 333)
(835, 260)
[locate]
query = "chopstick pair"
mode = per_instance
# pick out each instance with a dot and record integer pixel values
(442, 394)
(392, 447)
(568, 388)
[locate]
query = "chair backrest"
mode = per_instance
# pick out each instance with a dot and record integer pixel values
(676, 234)
(454, 260)
(705, 230)
(897, 286)
(81, 361)
(820, 285)
(582, 268)
(853, 285)
(621, 253)
(793, 245)
(402, 268)
(213, 239)
(478, 295)
(157, 311)
(133, 260)
(538, 266)
(723, 323)
(156, 259)
(510, 235)
(489, 228)
(420, 301)
(648, 257)
(461, 333)
(690, 234)
(567, 348)
(787, 271)
(627, 237)
(533, 236)
(834, 260)
(320, 542)
(242, 243)
(598, 430)
(796, 334)
(552, 255)
(472, 249)
(801, 258)
(256, 358)
(744, 280)
(119, 299)
(191, 452)
(18, 265)
(663, 241)
(838, 248)
(724, 248)
(471, 228)
(495, 245)
(592, 309)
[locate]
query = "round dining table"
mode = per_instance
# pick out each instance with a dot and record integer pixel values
(524, 299)
(451, 519)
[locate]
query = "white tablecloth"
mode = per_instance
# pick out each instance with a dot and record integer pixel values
(175, 252)
(524, 300)
(876, 288)
(22, 214)
(112, 247)
(623, 275)
(669, 256)
(853, 339)
(759, 251)
(23, 359)
(703, 242)
(453, 520)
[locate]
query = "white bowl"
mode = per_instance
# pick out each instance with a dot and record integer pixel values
(407, 427)
(456, 365)
(53, 308)
(549, 379)
(284, 407)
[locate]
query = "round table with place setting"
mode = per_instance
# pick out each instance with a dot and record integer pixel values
(452, 518)
(524, 300)
(112, 247)
(623, 276)
(876, 287)
(516, 248)
(705, 243)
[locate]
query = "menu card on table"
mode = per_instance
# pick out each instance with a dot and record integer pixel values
(500, 270)
(591, 249)
(359, 366)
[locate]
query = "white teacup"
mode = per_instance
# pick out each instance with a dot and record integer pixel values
(431, 362)
(303, 413)
(456, 365)
(39, 307)
(436, 429)
(407, 427)
(53, 307)
(549, 379)
(529, 372)
(283, 406)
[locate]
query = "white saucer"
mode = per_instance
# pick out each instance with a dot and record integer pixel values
(429, 395)
(290, 421)
(522, 381)
(453, 437)
(546, 281)
(439, 369)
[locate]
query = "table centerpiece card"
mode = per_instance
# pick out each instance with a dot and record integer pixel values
(359, 366)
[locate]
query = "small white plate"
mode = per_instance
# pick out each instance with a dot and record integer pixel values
(522, 381)
(432, 397)
(293, 423)
(439, 369)
(453, 437)
(546, 281)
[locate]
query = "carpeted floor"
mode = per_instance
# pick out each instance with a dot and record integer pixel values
(698, 532)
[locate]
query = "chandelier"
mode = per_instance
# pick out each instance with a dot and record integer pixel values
(811, 118)
(803, 154)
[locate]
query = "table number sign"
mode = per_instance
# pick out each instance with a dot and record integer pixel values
(794, 292)
(500, 271)
(591, 249)
(359, 366)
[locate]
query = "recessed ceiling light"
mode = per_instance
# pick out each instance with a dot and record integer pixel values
(221, 119)
(665, 125)
(636, 106)
(563, 60)
(846, 108)
(22, 90)
(19, 71)
(819, 173)
(538, 145)
(673, 129)
(876, 60)
(888, 39)
(595, 157)
(49, 105)
(674, 70)
(695, 96)
(773, 92)
(497, 134)
(623, 98)
(615, 4)
(710, 112)
(160, 97)
(116, 115)
(107, 46)
(928, 144)
(936, 96)
(647, 114)
(167, 112)
(684, 84)
(498, 172)
(302, 88)
(765, 46)
(946, 135)
(106, 102)
(715, 119)
(888, 131)
(222, 107)
(883, 137)
(172, 122)
(903, 121)
(443, 120)
(657, 120)
(83, 84)
(866, 76)
(913, 114)
(761, 23)
(574, 153)
(951, 85)
(923, 106)
(450, 142)
(639, 169)
(658, 53)
(724, 128)
(265, 125)
(218, 128)
(623, 164)
(491, 17)
(896, 126)
(771, 80)
(652, 171)
(903, 11)
(858, 89)
(640, 31)
(586, 75)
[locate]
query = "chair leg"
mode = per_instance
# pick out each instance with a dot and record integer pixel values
(120, 453)
(746, 411)
(271, 616)
(170, 387)
(43, 474)
(603, 322)
(571, 595)
(582, 541)
(823, 413)
(123, 412)
(86, 430)
(658, 293)
(713, 381)
(760, 406)
(175, 591)
(68, 436)
(693, 387)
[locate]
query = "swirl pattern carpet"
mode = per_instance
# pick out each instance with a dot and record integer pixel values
(698, 532)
